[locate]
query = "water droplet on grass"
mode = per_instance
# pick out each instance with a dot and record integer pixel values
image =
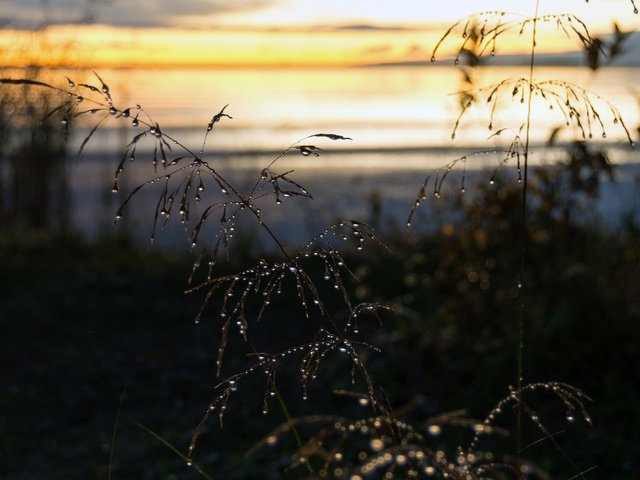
(376, 444)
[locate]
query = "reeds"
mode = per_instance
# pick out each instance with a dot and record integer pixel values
(198, 195)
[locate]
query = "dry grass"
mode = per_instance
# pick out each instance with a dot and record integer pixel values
(195, 193)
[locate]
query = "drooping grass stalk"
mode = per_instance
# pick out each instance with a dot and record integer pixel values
(187, 460)
(291, 423)
(523, 244)
(114, 434)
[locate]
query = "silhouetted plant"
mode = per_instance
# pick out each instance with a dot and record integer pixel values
(579, 109)
(36, 160)
(194, 192)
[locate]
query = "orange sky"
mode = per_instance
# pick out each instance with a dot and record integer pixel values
(368, 33)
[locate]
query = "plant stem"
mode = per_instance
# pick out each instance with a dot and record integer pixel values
(523, 246)
(294, 429)
(114, 434)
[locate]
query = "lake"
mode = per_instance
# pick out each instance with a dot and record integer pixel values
(400, 120)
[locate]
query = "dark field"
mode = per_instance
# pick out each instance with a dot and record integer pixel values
(88, 328)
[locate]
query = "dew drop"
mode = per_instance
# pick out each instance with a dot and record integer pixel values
(376, 444)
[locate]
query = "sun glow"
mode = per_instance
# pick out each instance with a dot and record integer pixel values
(286, 33)
(103, 46)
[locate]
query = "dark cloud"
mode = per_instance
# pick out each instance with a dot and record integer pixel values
(150, 13)
(366, 28)
(415, 50)
(377, 49)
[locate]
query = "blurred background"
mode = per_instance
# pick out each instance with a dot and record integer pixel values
(89, 310)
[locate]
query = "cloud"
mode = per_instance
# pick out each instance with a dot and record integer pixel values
(140, 13)
(376, 28)
(377, 49)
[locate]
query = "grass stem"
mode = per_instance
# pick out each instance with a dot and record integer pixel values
(523, 247)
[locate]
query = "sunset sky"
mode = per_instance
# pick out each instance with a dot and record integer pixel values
(240, 33)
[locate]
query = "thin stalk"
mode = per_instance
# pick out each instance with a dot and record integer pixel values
(114, 434)
(185, 458)
(523, 246)
(294, 429)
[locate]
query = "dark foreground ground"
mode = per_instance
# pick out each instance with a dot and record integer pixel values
(87, 330)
